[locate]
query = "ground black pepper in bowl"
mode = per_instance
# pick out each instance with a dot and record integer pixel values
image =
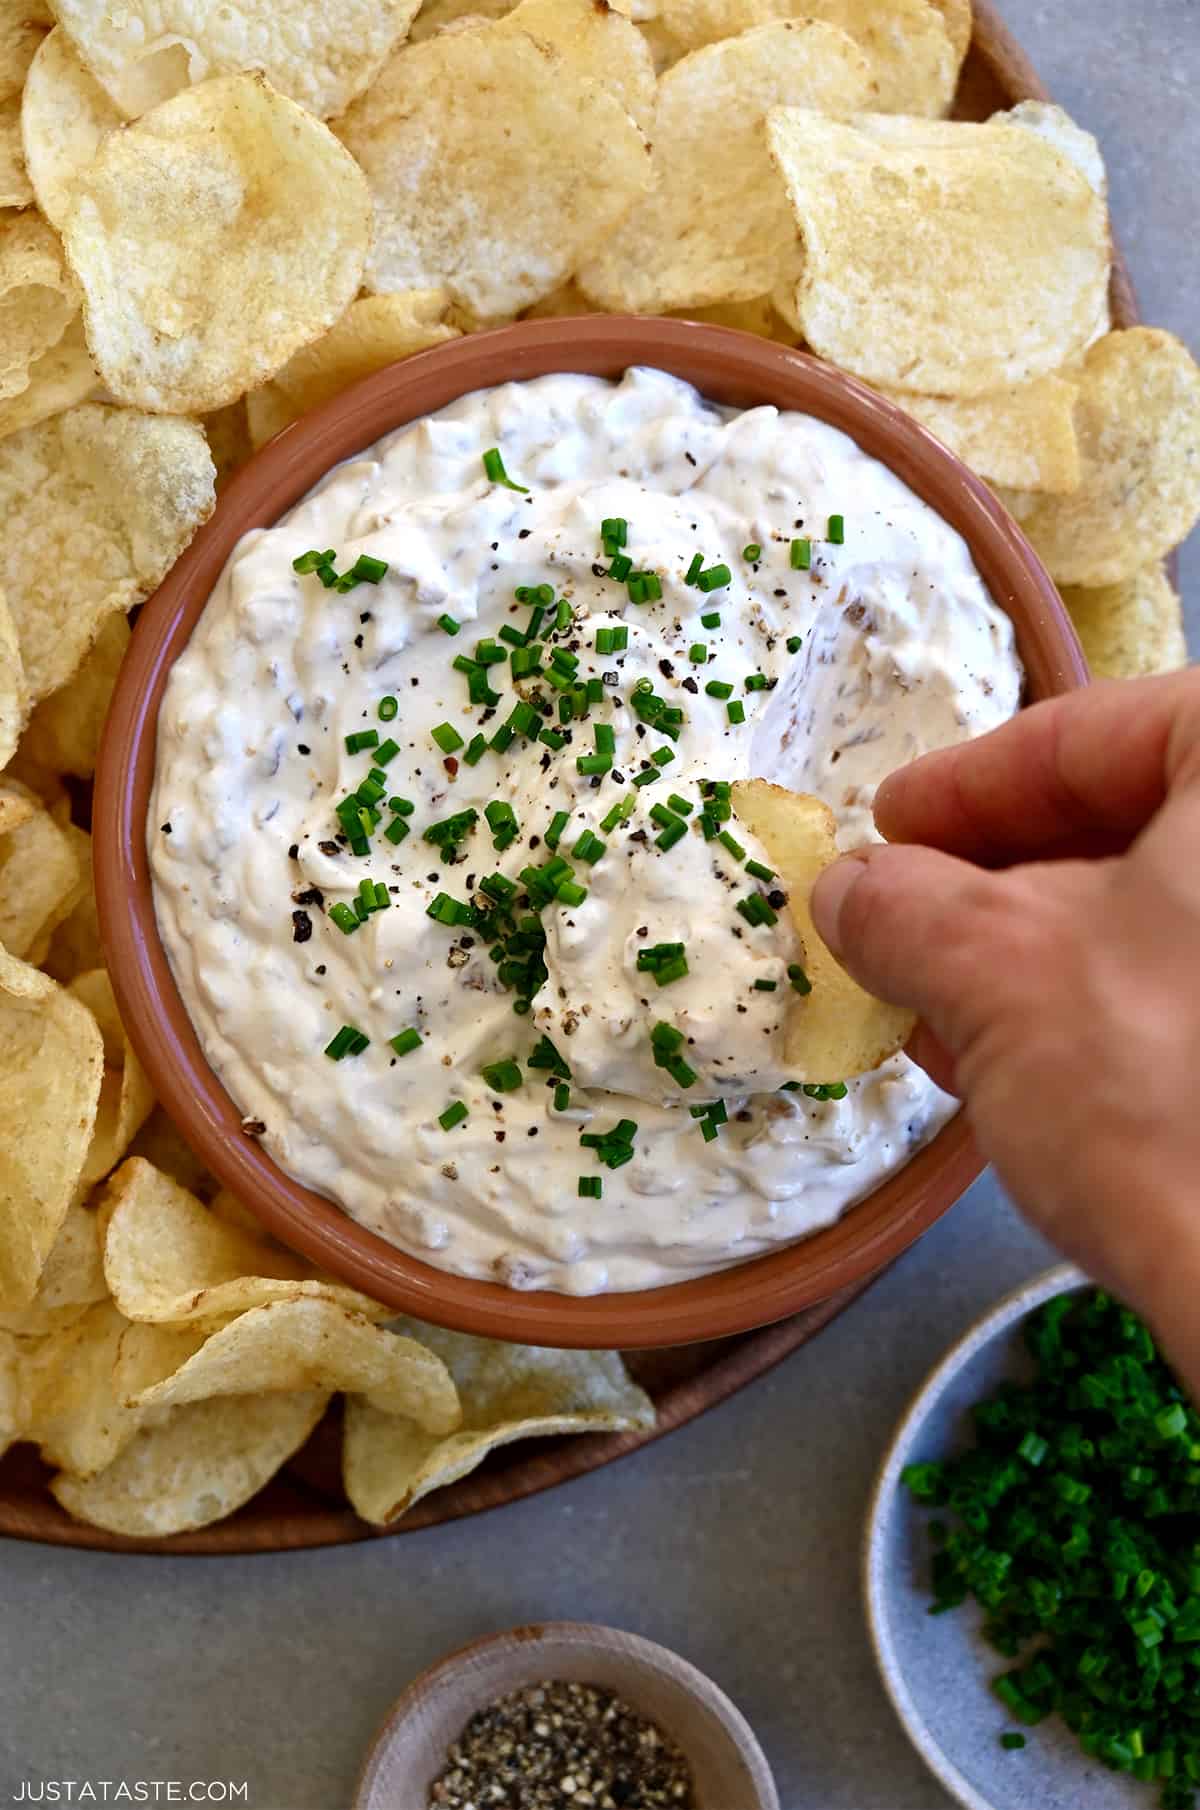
(562, 1746)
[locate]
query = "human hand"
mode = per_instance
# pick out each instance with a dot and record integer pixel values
(1038, 903)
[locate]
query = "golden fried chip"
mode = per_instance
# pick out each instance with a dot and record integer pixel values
(51, 1067)
(565, 301)
(939, 256)
(436, 15)
(65, 117)
(145, 51)
(956, 17)
(836, 1030)
(169, 1257)
(306, 1343)
(11, 1410)
(507, 1392)
(1024, 436)
(38, 297)
(22, 29)
(278, 223)
(75, 944)
(595, 41)
(58, 380)
(17, 805)
(227, 431)
(1131, 629)
(161, 1146)
(375, 331)
(95, 507)
(64, 730)
(12, 684)
(759, 316)
(1138, 421)
(40, 877)
(72, 1281)
(495, 199)
(1060, 130)
(200, 1464)
(16, 190)
(126, 1096)
(711, 228)
(71, 1408)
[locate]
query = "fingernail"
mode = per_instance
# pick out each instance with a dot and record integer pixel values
(830, 893)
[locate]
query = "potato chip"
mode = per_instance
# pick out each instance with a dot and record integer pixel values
(597, 42)
(22, 29)
(939, 256)
(64, 730)
(561, 304)
(305, 1343)
(436, 15)
(375, 331)
(95, 506)
(38, 297)
(1138, 421)
(227, 431)
(126, 1096)
(507, 1392)
(146, 51)
(1025, 436)
(51, 1066)
(169, 1257)
(160, 1144)
(11, 1414)
(58, 380)
(278, 224)
(200, 1464)
(956, 17)
(1060, 130)
(65, 116)
(40, 877)
(678, 27)
(712, 227)
(71, 1409)
(75, 944)
(759, 316)
(12, 684)
(496, 200)
(836, 1030)
(16, 190)
(72, 1281)
(1131, 629)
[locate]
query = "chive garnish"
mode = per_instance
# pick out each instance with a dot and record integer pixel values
(698, 654)
(736, 711)
(454, 1115)
(801, 555)
(502, 1077)
(493, 466)
(360, 739)
(794, 643)
(717, 688)
(711, 619)
(837, 529)
(349, 1041)
(447, 737)
(799, 978)
(714, 578)
(405, 1042)
(694, 570)
(448, 625)
(388, 708)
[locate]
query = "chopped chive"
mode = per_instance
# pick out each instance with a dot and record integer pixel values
(644, 587)
(493, 466)
(1012, 1741)
(715, 578)
(552, 739)
(647, 777)
(837, 529)
(448, 625)
(799, 978)
(620, 637)
(475, 750)
(589, 847)
(733, 845)
(454, 1115)
(502, 1077)
(591, 1187)
(604, 642)
(362, 738)
(711, 619)
(801, 555)
(694, 570)
(526, 661)
(794, 643)
(756, 910)
(489, 653)
(569, 892)
(367, 570)
(605, 737)
(594, 690)
(698, 654)
(447, 737)
(313, 560)
(396, 830)
(594, 763)
(757, 681)
(752, 552)
(563, 614)
(388, 708)
(349, 1041)
(765, 986)
(344, 918)
(620, 567)
(662, 757)
(558, 824)
(405, 1042)
(562, 1097)
(514, 636)
(736, 711)
(717, 688)
(760, 871)
(682, 807)
(386, 751)
(503, 739)
(615, 528)
(620, 813)
(525, 720)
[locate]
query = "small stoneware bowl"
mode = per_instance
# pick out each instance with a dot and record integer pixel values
(729, 367)
(728, 1766)
(937, 1668)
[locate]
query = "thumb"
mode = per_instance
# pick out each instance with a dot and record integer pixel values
(920, 929)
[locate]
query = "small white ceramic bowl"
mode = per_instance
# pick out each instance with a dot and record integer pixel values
(729, 1768)
(937, 1669)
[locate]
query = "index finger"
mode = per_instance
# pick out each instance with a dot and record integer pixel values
(1096, 763)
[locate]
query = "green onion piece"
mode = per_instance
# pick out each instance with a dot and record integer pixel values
(662, 757)
(405, 806)
(396, 830)
(448, 625)
(736, 711)
(715, 578)
(615, 528)
(447, 737)
(733, 845)
(349, 1041)
(475, 751)
(620, 567)
(589, 847)
(682, 807)
(620, 638)
(591, 1187)
(362, 738)
(558, 824)
(760, 870)
(837, 529)
(454, 1115)
(717, 688)
(525, 720)
(562, 1097)
(765, 986)
(799, 978)
(386, 751)
(605, 737)
(367, 570)
(1012, 1741)
(405, 1042)
(502, 1077)
(552, 739)
(673, 833)
(388, 709)
(795, 643)
(526, 661)
(801, 555)
(569, 892)
(490, 653)
(604, 641)
(312, 561)
(514, 636)
(493, 466)
(545, 1055)
(698, 654)
(752, 552)
(694, 570)
(647, 776)
(344, 918)
(594, 763)
(711, 619)
(757, 681)
(503, 739)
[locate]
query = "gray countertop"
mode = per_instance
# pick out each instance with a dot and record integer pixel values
(736, 1540)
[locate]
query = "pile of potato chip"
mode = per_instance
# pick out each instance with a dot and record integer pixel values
(213, 218)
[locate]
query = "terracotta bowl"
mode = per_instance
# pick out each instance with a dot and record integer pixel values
(730, 367)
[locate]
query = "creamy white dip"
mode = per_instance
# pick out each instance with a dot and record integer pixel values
(900, 650)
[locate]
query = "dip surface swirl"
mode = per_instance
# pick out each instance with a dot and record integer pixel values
(884, 645)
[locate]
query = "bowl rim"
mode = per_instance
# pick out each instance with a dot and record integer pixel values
(998, 1320)
(728, 366)
(593, 1637)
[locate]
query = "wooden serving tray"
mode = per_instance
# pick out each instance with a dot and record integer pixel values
(304, 1505)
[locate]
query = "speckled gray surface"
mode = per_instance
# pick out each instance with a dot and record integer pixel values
(736, 1541)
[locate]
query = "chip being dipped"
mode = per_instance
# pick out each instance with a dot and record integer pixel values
(835, 1030)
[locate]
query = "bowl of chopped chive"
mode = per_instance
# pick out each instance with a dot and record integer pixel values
(731, 368)
(1032, 1561)
(565, 1712)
